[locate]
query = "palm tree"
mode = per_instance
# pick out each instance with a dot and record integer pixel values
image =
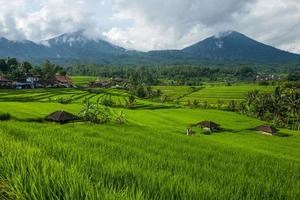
(242, 108)
(219, 104)
(293, 106)
(251, 96)
(261, 105)
(277, 106)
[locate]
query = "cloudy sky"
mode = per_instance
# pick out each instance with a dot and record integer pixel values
(153, 24)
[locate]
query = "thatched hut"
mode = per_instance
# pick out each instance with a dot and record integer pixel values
(209, 126)
(267, 130)
(61, 81)
(61, 117)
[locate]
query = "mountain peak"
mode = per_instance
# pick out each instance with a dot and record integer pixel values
(235, 46)
(79, 33)
(225, 34)
(70, 38)
(228, 46)
(3, 39)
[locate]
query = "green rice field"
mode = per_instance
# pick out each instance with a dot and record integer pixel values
(83, 80)
(148, 157)
(211, 93)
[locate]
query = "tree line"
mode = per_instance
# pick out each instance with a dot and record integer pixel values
(12, 69)
(183, 74)
(280, 107)
(177, 75)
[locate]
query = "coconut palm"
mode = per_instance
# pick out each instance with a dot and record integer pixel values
(293, 106)
(251, 96)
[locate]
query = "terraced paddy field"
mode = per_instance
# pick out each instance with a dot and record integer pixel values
(211, 93)
(148, 157)
(76, 96)
(83, 80)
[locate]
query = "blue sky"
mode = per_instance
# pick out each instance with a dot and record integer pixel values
(153, 24)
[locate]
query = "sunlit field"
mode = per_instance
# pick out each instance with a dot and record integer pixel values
(211, 92)
(83, 80)
(148, 157)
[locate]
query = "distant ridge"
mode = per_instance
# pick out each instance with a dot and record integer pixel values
(224, 47)
(232, 45)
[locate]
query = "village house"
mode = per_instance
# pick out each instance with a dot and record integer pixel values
(4, 83)
(269, 77)
(22, 85)
(117, 82)
(101, 83)
(32, 79)
(37, 82)
(60, 81)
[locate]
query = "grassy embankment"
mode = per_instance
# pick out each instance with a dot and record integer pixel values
(149, 157)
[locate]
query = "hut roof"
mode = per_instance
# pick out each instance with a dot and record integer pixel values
(267, 129)
(209, 124)
(61, 116)
(119, 79)
(62, 79)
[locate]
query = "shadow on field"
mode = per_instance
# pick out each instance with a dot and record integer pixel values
(278, 134)
(35, 120)
(283, 134)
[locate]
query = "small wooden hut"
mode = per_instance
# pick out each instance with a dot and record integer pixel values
(267, 130)
(209, 126)
(61, 117)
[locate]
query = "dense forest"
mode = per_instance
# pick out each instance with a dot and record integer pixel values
(12, 69)
(189, 74)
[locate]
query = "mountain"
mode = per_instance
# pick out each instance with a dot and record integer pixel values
(21, 49)
(78, 45)
(234, 46)
(223, 48)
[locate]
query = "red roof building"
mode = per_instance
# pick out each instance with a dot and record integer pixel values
(62, 79)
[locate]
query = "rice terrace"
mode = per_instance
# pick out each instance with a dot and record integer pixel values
(118, 104)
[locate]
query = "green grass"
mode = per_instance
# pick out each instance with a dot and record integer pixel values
(78, 97)
(212, 93)
(149, 157)
(82, 80)
(174, 92)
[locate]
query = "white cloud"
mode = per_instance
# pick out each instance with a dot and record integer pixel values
(275, 22)
(171, 23)
(154, 24)
(49, 17)
(177, 23)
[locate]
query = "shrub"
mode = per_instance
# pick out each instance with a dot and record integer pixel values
(89, 112)
(5, 116)
(140, 92)
(130, 102)
(206, 105)
(64, 100)
(107, 102)
(164, 98)
(120, 118)
(263, 83)
(95, 114)
(231, 106)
